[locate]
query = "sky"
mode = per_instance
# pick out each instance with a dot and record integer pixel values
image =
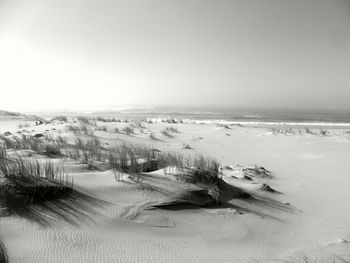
(80, 54)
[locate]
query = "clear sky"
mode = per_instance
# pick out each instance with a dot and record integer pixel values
(247, 53)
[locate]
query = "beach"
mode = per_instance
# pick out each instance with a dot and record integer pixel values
(305, 213)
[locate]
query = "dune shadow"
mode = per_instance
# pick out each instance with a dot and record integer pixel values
(230, 197)
(262, 206)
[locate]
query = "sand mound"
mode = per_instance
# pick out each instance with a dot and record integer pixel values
(179, 193)
(257, 171)
(268, 188)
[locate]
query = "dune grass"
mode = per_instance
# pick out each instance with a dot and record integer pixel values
(172, 121)
(83, 128)
(61, 118)
(137, 124)
(46, 146)
(152, 136)
(23, 125)
(128, 130)
(25, 142)
(87, 151)
(102, 119)
(134, 160)
(166, 133)
(3, 151)
(3, 253)
(171, 129)
(27, 182)
(102, 128)
(83, 119)
(323, 132)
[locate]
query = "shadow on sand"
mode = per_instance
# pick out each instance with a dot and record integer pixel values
(72, 207)
(230, 197)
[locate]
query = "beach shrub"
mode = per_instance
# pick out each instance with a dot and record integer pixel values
(3, 151)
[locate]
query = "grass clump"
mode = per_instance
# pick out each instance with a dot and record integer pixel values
(128, 130)
(202, 170)
(3, 253)
(25, 142)
(102, 128)
(101, 119)
(46, 145)
(83, 119)
(25, 125)
(172, 121)
(166, 133)
(308, 131)
(87, 151)
(323, 132)
(51, 149)
(135, 159)
(132, 160)
(152, 136)
(81, 129)
(197, 169)
(25, 182)
(60, 118)
(171, 129)
(137, 124)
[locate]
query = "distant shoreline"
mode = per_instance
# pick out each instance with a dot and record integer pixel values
(247, 117)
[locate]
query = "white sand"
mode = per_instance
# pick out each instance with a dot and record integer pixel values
(310, 171)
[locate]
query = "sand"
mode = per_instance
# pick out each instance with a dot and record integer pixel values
(309, 215)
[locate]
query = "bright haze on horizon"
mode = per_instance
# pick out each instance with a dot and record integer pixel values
(250, 53)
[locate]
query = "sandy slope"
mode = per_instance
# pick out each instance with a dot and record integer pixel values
(310, 171)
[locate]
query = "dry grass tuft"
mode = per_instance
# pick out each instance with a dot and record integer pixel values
(3, 253)
(27, 182)
(166, 133)
(128, 130)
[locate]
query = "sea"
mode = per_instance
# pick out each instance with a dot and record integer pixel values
(331, 118)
